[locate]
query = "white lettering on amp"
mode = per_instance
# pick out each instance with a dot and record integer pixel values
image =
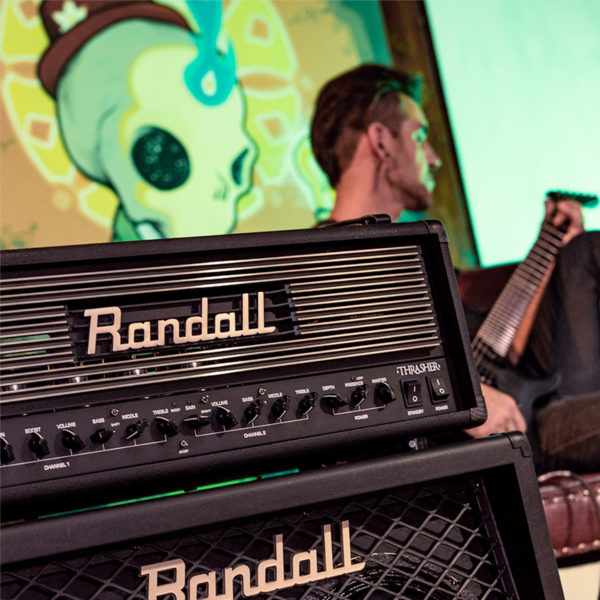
(138, 335)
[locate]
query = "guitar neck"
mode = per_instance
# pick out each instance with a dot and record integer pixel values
(500, 326)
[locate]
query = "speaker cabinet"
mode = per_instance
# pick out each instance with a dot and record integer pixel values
(464, 521)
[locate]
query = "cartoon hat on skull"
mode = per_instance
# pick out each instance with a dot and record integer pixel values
(71, 23)
(152, 109)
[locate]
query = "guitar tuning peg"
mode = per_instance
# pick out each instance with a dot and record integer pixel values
(587, 200)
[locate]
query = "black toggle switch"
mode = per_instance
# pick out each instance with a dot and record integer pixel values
(412, 393)
(307, 403)
(101, 436)
(359, 395)
(38, 445)
(439, 389)
(166, 426)
(71, 440)
(251, 412)
(7, 453)
(334, 400)
(384, 393)
(225, 417)
(134, 430)
(280, 407)
(196, 421)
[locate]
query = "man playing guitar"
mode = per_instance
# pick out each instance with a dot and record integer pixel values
(369, 134)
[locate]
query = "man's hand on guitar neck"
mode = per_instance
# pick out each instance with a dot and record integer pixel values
(503, 414)
(565, 212)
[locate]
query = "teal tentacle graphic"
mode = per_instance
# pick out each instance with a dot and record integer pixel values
(210, 77)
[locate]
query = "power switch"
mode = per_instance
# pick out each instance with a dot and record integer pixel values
(412, 393)
(439, 389)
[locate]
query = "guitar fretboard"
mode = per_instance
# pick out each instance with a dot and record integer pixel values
(496, 334)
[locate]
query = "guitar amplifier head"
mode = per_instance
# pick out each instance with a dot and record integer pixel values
(463, 522)
(130, 368)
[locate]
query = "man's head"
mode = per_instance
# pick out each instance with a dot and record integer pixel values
(383, 105)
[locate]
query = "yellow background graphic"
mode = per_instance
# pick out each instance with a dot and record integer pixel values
(284, 52)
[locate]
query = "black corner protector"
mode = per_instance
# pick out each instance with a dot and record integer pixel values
(437, 227)
(520, 442)
(479, 413)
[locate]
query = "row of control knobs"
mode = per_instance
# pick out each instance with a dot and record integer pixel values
(225, 419)
(38, 445)
(383, 393)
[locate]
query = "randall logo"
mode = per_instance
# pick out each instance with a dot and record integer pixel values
(271, 574)
(196, 328)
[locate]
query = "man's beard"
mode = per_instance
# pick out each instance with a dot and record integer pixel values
(417, 197)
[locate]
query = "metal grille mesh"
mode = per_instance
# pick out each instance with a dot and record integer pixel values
(433, 541)
(322, 307)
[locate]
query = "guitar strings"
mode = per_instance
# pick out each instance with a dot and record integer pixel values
(544, 251)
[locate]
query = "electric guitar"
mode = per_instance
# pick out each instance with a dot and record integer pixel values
(494, 338)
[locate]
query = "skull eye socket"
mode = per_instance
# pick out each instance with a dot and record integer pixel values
(160, 159)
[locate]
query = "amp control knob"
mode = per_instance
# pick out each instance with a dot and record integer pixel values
(280, 407)
(101, 436)
(196, 421)
(334, 400)
(359, 395)
(384, 393)
(166, 426)
(251, 412)
(71, 440)
(7, 453)
(134, 430)
(38, 445)
(307, 403)
(225, 417)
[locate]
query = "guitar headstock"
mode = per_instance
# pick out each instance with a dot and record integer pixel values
(587, 200)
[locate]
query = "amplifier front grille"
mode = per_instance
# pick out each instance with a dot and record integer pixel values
(322, 307)
(432, 541)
